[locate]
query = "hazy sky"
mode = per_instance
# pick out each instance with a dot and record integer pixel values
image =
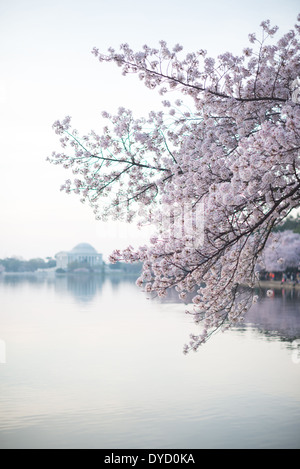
(48, 72)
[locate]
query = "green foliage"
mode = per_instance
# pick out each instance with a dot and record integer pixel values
(290, 223)
(116, 266)
(12, 264)
(134, 268)
(79, 265)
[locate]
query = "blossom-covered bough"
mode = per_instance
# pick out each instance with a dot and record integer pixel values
(230, 144)
(282, 252)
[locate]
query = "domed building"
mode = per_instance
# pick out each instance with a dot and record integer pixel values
(83, 254)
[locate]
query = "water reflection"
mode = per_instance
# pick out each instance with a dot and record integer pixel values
(83, 288)
(15, 280)
(278, 316)
(91, 363)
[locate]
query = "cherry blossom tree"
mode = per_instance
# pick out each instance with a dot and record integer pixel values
(227, 141)
(282, 252)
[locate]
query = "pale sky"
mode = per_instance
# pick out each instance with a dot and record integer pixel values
(48, 72)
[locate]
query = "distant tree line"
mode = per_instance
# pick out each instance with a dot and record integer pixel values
(127, 268)
(289, 224)
(12, 264)
(122, 267)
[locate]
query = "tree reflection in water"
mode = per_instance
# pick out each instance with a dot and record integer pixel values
(277, 316)
(274, 317)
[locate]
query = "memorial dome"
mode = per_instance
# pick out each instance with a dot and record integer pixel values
(84, 248)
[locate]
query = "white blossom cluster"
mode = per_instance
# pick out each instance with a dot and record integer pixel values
(282, 251)
(236, 152)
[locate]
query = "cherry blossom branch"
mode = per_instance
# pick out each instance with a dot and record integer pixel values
(232, 156)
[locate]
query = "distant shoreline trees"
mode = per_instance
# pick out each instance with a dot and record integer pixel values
(17, 265)
(13, 264)
(284, 254)
(289, 224)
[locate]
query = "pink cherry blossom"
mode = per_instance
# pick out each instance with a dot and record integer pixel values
(282, 252)
(234, 149)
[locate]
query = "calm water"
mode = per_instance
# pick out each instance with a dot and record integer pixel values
(92, 363)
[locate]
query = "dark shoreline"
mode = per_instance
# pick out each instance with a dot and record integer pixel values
(277, 284)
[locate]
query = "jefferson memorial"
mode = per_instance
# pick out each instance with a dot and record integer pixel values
(82, 253)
